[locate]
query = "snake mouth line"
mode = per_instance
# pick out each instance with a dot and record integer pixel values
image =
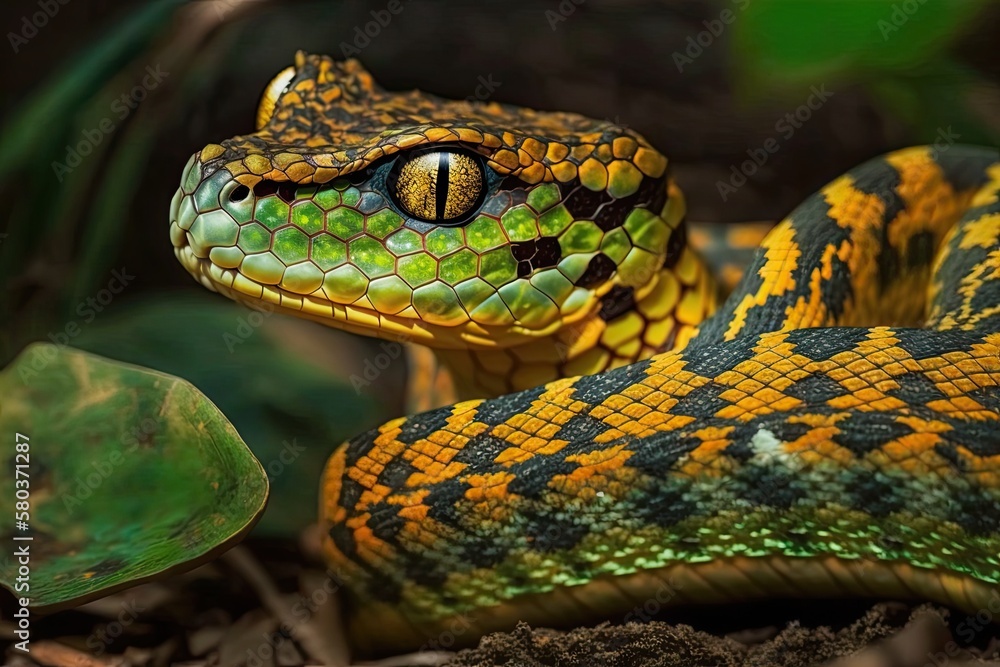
(360, 320)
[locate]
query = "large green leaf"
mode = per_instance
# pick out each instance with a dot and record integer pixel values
(133, 474)
(283, 383)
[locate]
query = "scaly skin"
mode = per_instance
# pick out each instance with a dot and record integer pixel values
(574, 263)
(832, 430)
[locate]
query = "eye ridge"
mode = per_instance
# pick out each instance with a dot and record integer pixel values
(447, 191)
(277, 87)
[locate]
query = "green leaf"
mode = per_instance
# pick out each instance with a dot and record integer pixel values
(132, 474)
(280, 381)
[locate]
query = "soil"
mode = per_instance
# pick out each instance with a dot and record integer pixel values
(266, 605)
(876, 638)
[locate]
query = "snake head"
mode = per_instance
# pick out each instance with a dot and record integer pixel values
(455, 224)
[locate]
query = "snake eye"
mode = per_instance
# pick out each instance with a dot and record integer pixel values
(274, 90)
(438, 184)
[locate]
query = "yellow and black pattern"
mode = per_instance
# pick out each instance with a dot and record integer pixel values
(727, 248)
(334, 120)
(785, 451)
(966, 291)
(534, 244)
(832, 429)
(882, 226)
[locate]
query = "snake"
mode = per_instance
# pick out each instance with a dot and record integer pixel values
(618, 434)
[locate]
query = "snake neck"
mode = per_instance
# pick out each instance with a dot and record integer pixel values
(630, 325)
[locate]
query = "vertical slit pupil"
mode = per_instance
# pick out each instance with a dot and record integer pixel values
(441, 188)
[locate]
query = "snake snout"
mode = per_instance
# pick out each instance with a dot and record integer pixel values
(205, 216)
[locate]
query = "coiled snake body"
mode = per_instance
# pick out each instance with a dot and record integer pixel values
(831, 430)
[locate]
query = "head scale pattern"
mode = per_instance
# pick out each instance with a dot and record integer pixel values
(573, 208)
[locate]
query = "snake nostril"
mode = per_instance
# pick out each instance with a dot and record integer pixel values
(239, 193)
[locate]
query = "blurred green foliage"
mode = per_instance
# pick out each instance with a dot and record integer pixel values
(898, 49)
(52, 209)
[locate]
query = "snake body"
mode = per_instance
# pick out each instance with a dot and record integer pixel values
(830, 430)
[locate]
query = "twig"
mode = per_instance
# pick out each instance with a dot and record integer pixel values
(924, 635)
(241, 560)
(54, 654)
(421, 659)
